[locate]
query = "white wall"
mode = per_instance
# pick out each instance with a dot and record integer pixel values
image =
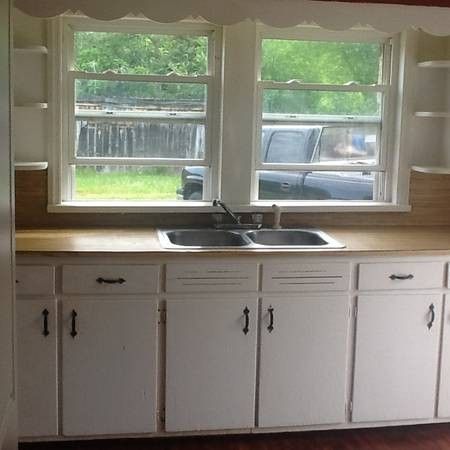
(7, 427)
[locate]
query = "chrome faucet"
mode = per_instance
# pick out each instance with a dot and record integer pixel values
(236, 220)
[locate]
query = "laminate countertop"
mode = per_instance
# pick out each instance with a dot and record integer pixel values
(358, 240)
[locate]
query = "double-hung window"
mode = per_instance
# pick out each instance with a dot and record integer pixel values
(140, 110)
(324, 102)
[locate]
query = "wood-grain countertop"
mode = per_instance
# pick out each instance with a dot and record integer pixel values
(358, 240)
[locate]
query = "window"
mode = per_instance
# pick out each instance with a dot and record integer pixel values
(139, 110)
(323, 108)
(171, 116)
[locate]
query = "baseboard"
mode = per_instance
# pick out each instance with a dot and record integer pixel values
(8, 427)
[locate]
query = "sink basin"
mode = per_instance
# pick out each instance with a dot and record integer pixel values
(265, 238)
(202, 238)
(292, 238)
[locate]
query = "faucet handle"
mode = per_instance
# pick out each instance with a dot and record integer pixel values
(276, 217)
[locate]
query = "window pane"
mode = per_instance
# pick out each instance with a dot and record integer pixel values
(285, 185)
(283, 101)
(321, 62)
(133, 53)
(136, 183)
(139, 97)
(139, 139)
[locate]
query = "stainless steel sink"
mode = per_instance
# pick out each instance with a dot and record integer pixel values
(202, 238)
(293, 238)
(265, 238)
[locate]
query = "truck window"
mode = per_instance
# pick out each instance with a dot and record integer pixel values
(287, 147)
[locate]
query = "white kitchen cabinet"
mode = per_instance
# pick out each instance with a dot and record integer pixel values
(109, 366)
(303, 360)
(211, 363)
(396, 357)
(37, 367)
(444, 388)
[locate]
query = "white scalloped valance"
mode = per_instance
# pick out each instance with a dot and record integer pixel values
(278, 13)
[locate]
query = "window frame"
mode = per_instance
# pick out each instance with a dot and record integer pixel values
(62, 31)
(389, 80)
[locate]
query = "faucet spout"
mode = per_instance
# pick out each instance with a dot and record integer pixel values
(227, 210)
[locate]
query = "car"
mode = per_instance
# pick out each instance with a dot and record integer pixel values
(303, 144)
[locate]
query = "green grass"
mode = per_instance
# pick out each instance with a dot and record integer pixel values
(148, 184)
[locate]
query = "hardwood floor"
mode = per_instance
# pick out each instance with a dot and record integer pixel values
(423, 437)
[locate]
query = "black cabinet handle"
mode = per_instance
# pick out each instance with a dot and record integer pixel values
(74, 332)
(45, 314)
(430, 323)
(270, 327)
(401, 277)
(101, 280)
(246, 328)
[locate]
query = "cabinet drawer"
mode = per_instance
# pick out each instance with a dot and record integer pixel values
(110, 279)
(35, 280)
(306, 277)
(211, 277)
(401, 275)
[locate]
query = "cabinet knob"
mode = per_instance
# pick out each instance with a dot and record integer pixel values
(101, 280)
(401, 277)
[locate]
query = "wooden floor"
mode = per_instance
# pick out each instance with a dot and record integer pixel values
(424, 437)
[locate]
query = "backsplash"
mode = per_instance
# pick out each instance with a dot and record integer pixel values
(429, 196)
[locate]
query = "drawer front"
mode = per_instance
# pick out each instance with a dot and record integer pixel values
(35, 280)
(401, 275)
(110, 279)
(305, 277)
(211, 277)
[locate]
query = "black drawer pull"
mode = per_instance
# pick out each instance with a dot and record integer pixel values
(74, 332)
(270, 327)
(246, 328)
(430, 323)
(101, 280)
(401, 277)
(45, 314)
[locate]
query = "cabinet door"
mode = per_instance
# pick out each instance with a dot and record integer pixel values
(109, 366)
(37, 368)
(303, 360)
(444, 388)
(211, 364)
(396, 357)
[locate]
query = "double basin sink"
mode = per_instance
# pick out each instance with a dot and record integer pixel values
(263, 238)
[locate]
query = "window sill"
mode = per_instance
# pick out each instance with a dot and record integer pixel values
(206, 207)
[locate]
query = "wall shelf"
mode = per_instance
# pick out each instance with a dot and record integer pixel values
(432, 114)
(435, 64)
(31, 166)
(32, 49)
(37, 106)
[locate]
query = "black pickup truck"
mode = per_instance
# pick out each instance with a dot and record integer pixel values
(318, 144)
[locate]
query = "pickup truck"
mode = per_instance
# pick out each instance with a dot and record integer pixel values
(318, 144)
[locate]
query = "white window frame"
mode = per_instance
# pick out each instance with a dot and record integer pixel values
(383, 185)
(63, 119)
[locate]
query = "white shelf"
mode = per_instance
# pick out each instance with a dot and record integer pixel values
(435, 64)
(432, 169)
(31, 166)
(430, 114)
(32, 106)
(32, 49)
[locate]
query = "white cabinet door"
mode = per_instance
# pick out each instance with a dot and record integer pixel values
(109, 366)
(37, 368)
(303, 360)
(211, 363)
(444, 388)
(396, 357)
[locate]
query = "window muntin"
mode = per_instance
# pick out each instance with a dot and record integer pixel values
(140, 100)
(332, 87)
